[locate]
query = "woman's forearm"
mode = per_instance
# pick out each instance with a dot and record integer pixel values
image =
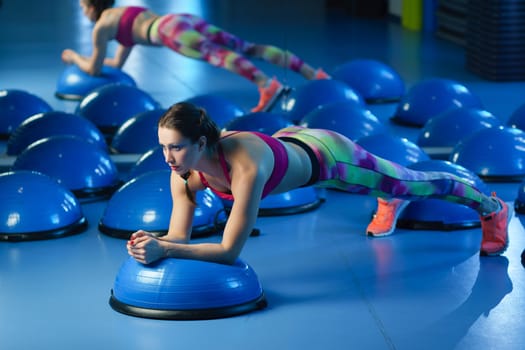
(86, 64)
(212, 252)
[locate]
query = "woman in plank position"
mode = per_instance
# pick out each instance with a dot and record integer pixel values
(247, 166)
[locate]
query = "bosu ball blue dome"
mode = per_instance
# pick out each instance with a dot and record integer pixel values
(264, 122)
(221, 110)
(54, 123)
(394, 148)
(184, 289)
(145, 203)
(74, 84)
(431, 97)
(79, 165)
(316, 93)
(295, 201)
(138, 134)
(109, 106)
(441, 133)
(494, 154)
(347, 118)
(16, 106)
(23, 216)
(376, 81)
(435, 214)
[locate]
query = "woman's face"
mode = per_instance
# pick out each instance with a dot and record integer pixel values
(179, 152)
(88, 10)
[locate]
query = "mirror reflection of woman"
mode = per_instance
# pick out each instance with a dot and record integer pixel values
(188, 35)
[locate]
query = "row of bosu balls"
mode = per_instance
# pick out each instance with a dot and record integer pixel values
(147, 291)
(119, 115)
(347, 116)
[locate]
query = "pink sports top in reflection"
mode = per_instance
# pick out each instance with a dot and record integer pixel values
(125, 25)
(280, 166)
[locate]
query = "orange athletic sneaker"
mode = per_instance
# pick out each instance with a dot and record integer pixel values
(321, 74)
(494, 227)
(384, 221)
(269, 96)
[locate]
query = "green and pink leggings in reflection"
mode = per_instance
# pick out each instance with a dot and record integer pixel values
(193, 37)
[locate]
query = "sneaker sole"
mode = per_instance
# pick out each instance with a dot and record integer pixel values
(387, 233)
(276, 97)
(502, 250)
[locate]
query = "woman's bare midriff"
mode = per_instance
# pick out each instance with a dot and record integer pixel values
(299, 168)
(141, 26)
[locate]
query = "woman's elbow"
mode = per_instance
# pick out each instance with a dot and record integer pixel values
(230, 256)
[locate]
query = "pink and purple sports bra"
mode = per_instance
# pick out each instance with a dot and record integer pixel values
(279, 168)
(125, 25)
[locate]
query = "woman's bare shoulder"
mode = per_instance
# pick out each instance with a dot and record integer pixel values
(111, 16)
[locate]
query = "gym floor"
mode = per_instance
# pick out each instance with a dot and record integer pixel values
(327, 284)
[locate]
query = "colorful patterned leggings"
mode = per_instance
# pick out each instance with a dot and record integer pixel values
(193, 37)
(346, 166)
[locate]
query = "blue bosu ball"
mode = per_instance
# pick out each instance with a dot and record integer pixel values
(296, 201)
(74, 84)
(24, 216)
(221, 110)
(79, 165)
(264, 122)
(435, 214)
(53, 123)
(16, 106)
(138, 134)
(183, 289)
(109, 106)
(374, 80)
(441, 133)
(150, 160)
(345, 117)
(394, 148)
(431, 97)
(316, 93)
(495, 154)
(145, 203)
